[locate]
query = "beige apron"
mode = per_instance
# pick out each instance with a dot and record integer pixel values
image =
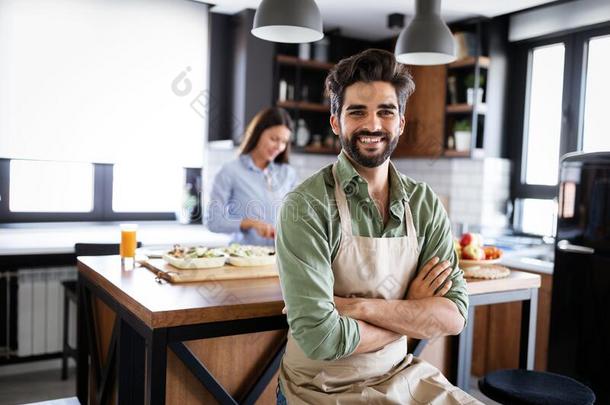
(372, 268)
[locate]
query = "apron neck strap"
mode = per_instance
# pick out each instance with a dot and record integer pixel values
(409, 227)
(346, 219)
(344, 215)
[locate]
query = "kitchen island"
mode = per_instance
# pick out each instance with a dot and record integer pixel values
(223, 340)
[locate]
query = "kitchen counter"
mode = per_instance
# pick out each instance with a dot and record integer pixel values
(529, 264)
(59, 238)
(234, 327)
(538, 259)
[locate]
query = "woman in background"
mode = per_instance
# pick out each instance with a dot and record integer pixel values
(247, 192)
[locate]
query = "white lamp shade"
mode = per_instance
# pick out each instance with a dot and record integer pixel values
(426, 40)
(288, 21)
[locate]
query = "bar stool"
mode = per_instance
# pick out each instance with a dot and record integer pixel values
(71, 294)
(524, 387)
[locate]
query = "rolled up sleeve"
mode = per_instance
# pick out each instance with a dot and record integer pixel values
(306, 277)
(439, 242)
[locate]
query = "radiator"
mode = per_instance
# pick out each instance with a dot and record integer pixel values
(40, 298)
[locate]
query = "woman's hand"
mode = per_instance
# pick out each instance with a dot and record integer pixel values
(263, 229)
(430, 279)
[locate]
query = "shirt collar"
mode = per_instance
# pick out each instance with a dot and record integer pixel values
(247, 161)
(348, 177)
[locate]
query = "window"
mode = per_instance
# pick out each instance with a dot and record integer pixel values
(596, 132)
(146, 188)
(561, 108)
(538, 217)
(543, 122)
(37, 186)
(113, 84)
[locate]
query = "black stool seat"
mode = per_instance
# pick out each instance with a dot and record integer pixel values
(524, 387)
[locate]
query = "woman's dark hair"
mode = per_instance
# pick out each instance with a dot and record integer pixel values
(368, 66)
(267, 118)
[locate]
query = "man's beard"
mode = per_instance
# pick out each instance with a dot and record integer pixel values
(352, 149)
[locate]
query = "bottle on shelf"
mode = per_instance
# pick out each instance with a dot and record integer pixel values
(302, 135)
(305, 51)
(283, 90)
(320, 50)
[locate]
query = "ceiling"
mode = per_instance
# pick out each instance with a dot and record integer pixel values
(367, 19)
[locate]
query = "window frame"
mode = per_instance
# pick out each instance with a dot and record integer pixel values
(102, 202)
(574, 81)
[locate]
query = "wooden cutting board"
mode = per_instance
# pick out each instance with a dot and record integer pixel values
(227, 272)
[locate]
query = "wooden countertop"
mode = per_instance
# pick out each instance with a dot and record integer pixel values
(161, 305)
(515, 281)
(164, 305)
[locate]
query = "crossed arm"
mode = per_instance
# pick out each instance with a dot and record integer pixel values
(327, 327)
(423, 315)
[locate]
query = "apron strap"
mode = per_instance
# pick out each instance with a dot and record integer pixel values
(344, 215)
(409, 226)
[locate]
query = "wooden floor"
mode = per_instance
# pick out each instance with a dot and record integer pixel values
(38, 387)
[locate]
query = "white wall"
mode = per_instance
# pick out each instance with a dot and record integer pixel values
(474, 191)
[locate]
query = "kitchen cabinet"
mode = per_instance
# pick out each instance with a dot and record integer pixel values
(299, 88)
(466, 108)
(425, 114)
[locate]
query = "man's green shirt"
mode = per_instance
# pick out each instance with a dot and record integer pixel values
(308, 237)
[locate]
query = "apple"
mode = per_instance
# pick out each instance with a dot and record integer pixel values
(473, 252)
(466, 239)
(471, 239)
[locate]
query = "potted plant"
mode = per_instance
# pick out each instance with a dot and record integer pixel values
(462, 131)
(470, 88)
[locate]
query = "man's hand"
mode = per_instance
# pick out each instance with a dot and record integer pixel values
(432, 276)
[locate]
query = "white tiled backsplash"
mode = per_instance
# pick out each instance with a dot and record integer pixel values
(474, 191)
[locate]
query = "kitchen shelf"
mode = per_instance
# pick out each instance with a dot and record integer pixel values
(327, 150)
(306, 63)
(470, 61)
(465, 108)
(304, 105)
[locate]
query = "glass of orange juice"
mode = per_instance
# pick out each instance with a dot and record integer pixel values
(128, 242)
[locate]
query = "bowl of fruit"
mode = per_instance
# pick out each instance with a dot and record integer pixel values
(472, 252)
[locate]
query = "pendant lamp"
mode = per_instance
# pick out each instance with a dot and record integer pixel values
(288, 21)
(426, 40)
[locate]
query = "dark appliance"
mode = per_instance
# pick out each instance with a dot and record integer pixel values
(579, 340)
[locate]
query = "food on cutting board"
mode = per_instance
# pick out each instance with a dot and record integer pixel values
(249, 255)
(196, 257)
(490, 272)
(470, 248)
(200, 257)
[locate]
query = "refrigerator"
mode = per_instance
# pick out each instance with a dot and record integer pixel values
(579, 340)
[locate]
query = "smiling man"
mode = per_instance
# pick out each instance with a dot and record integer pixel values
(366, 258)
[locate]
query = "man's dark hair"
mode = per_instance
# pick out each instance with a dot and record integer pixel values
(368, 66)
